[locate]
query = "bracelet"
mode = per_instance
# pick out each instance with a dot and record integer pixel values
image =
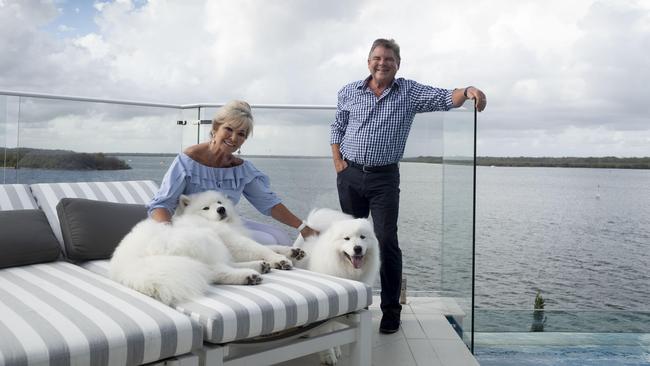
(465, 91)
(302, 226)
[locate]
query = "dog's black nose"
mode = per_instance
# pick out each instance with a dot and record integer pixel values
(221, 210)
(357, 249)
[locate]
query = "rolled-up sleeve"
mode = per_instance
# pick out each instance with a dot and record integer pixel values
(171, 188)
(258, 193)
(428, 98)
(341, 119)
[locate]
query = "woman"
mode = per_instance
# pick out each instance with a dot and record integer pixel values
(212, 166)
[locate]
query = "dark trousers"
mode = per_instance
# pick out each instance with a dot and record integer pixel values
(377, 193)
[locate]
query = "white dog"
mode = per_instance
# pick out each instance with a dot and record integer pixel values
(346, 247)
(206, 243)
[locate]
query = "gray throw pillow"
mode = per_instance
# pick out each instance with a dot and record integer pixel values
(92, 229)
(26, 238)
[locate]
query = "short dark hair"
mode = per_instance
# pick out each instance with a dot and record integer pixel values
(386, 43)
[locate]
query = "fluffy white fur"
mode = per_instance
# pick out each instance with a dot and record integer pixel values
(346, 247)
(206, 243)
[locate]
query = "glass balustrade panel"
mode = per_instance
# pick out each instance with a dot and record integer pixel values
(457, 215)
(70, 141)
(290, 145)
(3, 139)
(9, 110)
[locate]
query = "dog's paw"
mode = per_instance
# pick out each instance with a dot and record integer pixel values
(265, 267)
(284, 264)
(254, 279)
(328, 357)
(297, 254)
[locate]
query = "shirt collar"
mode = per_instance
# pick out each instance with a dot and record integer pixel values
(362, 84)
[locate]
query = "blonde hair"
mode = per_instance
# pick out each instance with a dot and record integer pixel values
(236, 111)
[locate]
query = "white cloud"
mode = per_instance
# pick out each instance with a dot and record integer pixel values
(94, 44)
(64, 28)
(99, 5)
(553, 70)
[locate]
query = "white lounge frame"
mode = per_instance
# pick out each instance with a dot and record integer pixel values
(357, 334)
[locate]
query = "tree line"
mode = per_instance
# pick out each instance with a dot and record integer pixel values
(609, 162)
(60, 160)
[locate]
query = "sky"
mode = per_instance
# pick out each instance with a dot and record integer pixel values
(563, 78)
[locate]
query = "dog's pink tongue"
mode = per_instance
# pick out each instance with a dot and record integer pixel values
(357, 261)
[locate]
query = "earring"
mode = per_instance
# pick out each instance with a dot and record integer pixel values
(238, 151)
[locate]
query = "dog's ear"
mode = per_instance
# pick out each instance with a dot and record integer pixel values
(184, 200)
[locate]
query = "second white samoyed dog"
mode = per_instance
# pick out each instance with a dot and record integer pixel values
(346, 247)
(205, 243)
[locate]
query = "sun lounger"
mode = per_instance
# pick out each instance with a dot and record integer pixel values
(57, 313)
(241, 325)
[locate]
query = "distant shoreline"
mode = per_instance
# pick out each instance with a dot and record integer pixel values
(606, 162)
(69, 160)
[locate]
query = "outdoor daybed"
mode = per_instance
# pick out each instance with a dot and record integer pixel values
(58, 307)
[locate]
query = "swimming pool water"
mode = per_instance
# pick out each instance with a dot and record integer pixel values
(562, 349)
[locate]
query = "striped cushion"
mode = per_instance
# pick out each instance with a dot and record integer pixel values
(60, 314)
(284, 300)
(16, 197)
(48, 195)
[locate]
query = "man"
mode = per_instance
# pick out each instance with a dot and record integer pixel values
(368, 137)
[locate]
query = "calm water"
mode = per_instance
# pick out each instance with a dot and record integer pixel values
(562, 349)
(581, 236)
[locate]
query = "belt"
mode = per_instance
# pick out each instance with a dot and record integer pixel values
(372, 169)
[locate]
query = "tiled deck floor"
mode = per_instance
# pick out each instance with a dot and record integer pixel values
(425, 338)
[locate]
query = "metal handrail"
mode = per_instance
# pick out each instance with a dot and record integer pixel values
(158, 105)
(170, 105)
(265, 106)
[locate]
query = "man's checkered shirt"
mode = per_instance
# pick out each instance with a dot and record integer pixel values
(373, 131)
